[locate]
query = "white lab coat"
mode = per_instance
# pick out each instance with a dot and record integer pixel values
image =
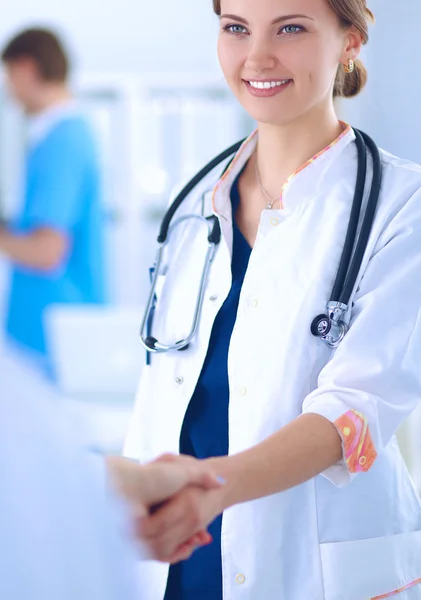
(62, 537)
(338, 536)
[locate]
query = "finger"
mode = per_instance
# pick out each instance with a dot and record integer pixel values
(185, 551)
(203, 538)
(167, 545)
(171, 473)
(138, 511)
(199, 539)
(163, 519)
(182, 555)
(183, 533)
(165, 478)
(167, 458)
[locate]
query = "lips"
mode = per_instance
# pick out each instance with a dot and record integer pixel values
(267, 84)
(267, 88)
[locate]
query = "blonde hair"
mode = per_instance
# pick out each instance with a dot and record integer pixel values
(350, 13)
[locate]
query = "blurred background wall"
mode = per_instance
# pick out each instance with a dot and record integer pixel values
(389, 107)
(125, 35)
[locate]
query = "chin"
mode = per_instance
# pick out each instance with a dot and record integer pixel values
(272, 117)
(268, 110)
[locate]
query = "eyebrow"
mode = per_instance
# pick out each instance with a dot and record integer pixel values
(274, 22)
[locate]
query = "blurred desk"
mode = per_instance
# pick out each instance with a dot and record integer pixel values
(99, 360)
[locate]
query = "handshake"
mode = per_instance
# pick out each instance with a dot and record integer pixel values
(172, 501)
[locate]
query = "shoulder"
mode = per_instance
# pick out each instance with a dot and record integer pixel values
(401, 185)
(72, 133)
(398, 171)
(399, 207)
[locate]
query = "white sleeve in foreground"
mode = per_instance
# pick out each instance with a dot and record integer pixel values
(62, 535)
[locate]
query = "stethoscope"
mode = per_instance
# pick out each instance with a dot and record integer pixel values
(329, 327)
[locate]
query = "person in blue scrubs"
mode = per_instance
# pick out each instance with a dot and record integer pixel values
(205, 429)
(55, 244)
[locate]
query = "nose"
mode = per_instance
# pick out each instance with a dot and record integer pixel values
(260, 57)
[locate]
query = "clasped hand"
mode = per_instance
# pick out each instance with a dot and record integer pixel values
(173, 500)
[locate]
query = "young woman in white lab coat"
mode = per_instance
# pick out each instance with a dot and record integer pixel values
(317, 503)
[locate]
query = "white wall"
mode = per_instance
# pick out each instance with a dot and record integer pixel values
(389, 109)
(126, 35)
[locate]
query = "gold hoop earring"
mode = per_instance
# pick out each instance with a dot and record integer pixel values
(349, 68)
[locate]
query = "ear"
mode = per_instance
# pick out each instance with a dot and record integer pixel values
(353, 44)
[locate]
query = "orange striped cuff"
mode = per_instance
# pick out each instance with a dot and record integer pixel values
(359, 449)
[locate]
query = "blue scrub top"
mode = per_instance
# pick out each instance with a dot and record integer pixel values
(62, 192)
(205, 430)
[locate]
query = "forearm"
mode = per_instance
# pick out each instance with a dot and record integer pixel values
(42, 249)
(295, 454)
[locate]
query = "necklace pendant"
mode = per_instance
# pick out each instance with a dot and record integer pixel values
(269, 206)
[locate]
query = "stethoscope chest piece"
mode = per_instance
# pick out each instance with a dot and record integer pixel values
(321, 326)
(331, 328)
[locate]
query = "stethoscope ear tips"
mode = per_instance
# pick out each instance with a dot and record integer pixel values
(321, 326)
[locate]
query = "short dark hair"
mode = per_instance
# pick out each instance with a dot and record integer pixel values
(44, 48)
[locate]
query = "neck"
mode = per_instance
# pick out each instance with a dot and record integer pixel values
(50, 96)
(281, 150)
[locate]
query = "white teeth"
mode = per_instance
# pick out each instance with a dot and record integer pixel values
(267, 85)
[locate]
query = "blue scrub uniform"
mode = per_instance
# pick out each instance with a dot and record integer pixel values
(62, 192)
(205, 430)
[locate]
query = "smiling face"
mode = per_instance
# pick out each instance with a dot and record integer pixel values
(280, 57)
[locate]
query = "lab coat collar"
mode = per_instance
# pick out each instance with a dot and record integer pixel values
(300, 186)
(41, 124)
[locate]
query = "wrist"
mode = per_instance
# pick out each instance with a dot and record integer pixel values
(228, 469)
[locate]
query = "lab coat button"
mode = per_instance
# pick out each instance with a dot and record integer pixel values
(213, 298)
(240, 579)
(254, 303)
(179, 380)
(243, 391)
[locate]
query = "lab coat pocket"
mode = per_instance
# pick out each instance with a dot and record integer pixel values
(373, 569)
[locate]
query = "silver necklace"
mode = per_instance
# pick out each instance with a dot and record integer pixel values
(271, 201)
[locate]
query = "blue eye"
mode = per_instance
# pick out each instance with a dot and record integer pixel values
(235, 29)
(292, 29)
